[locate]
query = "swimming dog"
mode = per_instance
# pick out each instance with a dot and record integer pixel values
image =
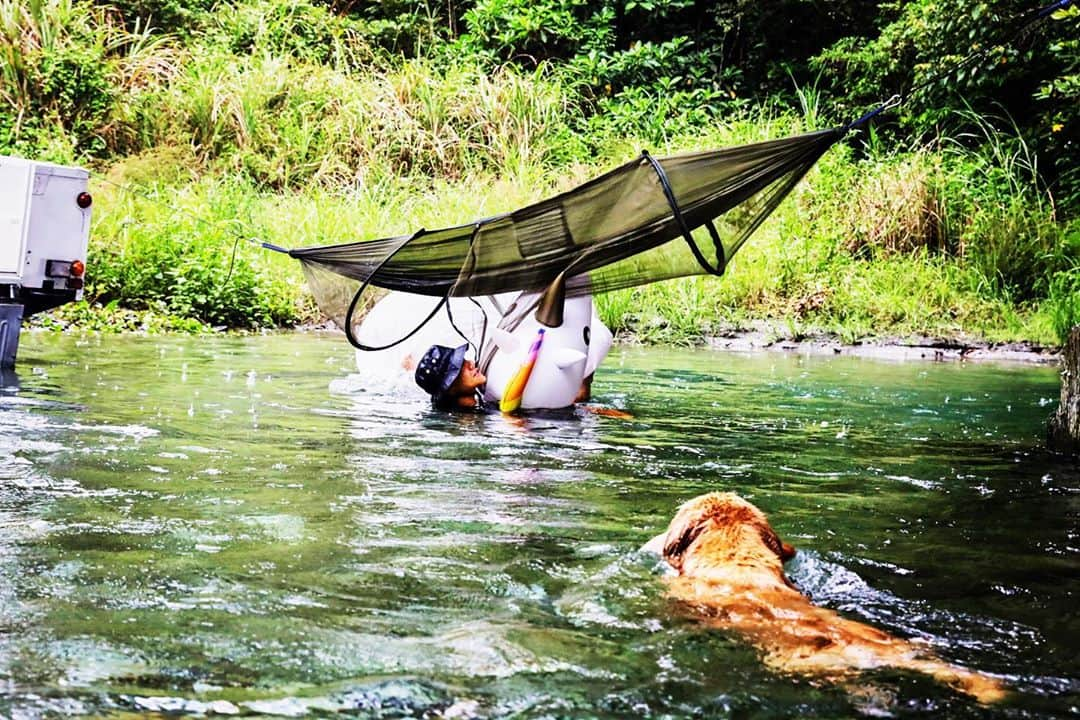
(730, 571)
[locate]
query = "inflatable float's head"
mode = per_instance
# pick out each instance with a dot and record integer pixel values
(534, 373)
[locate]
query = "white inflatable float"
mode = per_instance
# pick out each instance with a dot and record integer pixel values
(547, 376)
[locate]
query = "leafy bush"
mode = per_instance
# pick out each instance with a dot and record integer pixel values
(523, 30)
(169, 257)
(921, 45)
(54, 72)
(169, 16)
(281, 28)
(400, 27)
(927, 46)
(112, 318)
(1063, 303)
(1057, 98)
(654, 116)
(618, 54)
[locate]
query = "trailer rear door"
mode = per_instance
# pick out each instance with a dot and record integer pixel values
(16, 177)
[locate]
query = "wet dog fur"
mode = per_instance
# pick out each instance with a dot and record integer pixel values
(730, 571)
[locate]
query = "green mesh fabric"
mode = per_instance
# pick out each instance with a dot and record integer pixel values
(617, 231)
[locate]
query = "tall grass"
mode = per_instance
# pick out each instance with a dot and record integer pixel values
(284, 124)
(1010, 239)
(68, 73)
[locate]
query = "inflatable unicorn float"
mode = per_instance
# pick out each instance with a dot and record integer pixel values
(528, 364)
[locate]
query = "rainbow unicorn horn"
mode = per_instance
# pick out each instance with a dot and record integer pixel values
(515, 389)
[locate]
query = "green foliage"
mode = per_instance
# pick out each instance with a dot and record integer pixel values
(1063, 303)
(534, 31)
(1057, 99)
(53, 72)
(924, 41)
(171, 16)
(173, 255)
(1010, 237)
(301, 31)
(963, 55)
(112, 318)
(659, 84)
(408, 29)
(284, 123)
(654, 116)
(67, 71)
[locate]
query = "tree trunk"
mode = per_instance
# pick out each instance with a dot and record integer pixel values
(1063, 433)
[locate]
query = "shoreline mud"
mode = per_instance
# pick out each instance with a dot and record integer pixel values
(894, 349)
(767, 339)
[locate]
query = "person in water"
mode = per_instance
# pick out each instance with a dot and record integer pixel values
(455, 383)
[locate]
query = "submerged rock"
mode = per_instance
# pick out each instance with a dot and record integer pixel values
(1063, 433)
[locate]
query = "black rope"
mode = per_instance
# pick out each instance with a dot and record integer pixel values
(364, 286)
(677, 213)
(466, 338)
(232, 260)
(145, 195)
(450, 312)
(1037, 17)
(721, 254)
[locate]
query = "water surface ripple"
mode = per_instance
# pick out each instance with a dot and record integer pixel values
(235, 526)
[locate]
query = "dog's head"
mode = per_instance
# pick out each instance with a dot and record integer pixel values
(722, 528)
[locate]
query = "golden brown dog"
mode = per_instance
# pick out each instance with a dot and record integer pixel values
(730, 566)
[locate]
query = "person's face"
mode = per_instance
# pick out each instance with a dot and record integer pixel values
(463, 389)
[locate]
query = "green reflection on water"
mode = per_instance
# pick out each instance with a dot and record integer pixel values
(233, 520)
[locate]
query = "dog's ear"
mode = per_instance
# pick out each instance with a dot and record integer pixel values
(680, 538)
(784, 551)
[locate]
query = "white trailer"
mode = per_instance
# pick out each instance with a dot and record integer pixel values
(44, 230)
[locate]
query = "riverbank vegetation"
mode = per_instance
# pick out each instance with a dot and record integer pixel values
(297, 122)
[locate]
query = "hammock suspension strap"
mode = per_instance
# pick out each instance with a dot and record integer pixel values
(676, 211)
(364, 286)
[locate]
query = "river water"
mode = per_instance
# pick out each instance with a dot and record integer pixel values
(233, 526)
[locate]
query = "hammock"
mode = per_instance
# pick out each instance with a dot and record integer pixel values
(634, 225)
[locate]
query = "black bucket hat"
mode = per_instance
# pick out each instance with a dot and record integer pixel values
(438, 370)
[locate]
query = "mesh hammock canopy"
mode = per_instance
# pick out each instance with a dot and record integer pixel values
(631, 226)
